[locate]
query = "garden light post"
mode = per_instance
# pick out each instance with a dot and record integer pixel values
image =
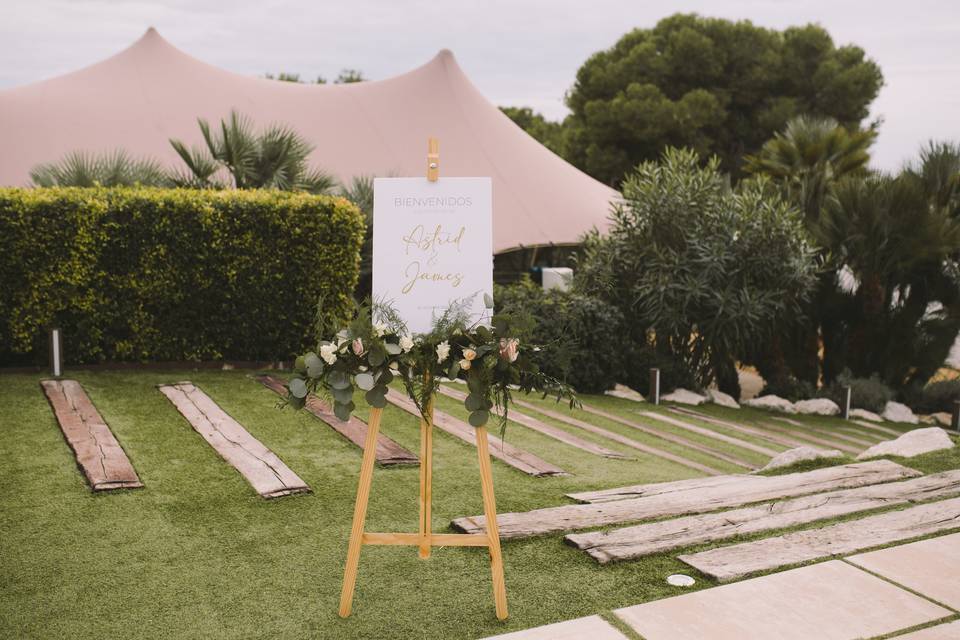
(845, 410)
(654, 394)
(955, 418)
(56, 352)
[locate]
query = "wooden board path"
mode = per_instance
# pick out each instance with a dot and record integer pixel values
(616, 437)
(887, 431)
(737, 561)
(267, 473)
(788, 437)
(832, 433)
(503, 451)
(743, 444)
(389, 452)
(690, 501)
(99, 455)
(816, 438)
(669, 437)
(657, 537)
(542, 427)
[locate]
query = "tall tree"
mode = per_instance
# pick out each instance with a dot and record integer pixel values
(548, 132)
(716, 86)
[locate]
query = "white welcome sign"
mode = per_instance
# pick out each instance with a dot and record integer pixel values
(432, 246)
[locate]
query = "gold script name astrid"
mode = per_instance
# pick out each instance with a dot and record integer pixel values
(426, 246)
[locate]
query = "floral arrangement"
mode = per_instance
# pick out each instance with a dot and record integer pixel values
(369, 354)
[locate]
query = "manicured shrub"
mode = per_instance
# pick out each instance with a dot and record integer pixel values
(936, 396)
(865, 393)
(137, 274)
(578, 334)
(789, 387)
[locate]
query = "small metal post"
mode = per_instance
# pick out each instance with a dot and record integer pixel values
(654, 395)
(955, 418)
(56, 352)
(846, 403)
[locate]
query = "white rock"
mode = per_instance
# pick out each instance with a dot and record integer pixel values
(863, 414)
(910, 444)
(680, 580)
(941, 418)
(800, 454)
(723, 399)
(771, 403)
(896, 412)
(683, 396)
(817, 406)
(625, 392)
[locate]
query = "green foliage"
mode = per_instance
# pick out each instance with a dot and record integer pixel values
(547, 132)
(112, 169)
(717, 86)
(274, 158)
(349, 76)
(135, 274)
(865, 393)
(359, 191)
(701, 271)
(789, 387)
(936, 396)
(579, 335)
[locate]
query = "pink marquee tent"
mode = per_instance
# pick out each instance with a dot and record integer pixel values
(152, 91)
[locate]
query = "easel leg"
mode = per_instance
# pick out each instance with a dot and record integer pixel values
(360, 513)
(426, 480)
(493, 531)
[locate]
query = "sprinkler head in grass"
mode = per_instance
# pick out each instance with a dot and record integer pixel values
(680, 580)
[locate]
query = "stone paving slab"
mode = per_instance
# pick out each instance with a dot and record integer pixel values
(930, 567)
(949, 631)
(828, 601)
(589, 628)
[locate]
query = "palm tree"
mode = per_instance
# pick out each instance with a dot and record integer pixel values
(359, 191)
(275, 158)
(111, 169)
(809, 156)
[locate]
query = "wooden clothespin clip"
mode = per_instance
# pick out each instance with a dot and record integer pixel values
(433, 159)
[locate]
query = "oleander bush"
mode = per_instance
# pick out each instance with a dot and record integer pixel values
(870, 393)
(149, 274)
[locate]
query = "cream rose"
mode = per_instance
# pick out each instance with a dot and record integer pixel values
(329, 353)
(379, 329)
(406, 343)
(443, 351)
(358, 347)
(465, 364)
(469, 354)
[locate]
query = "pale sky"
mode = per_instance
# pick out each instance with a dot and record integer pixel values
(524, 52)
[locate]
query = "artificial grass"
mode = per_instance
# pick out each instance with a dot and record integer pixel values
(197, 554)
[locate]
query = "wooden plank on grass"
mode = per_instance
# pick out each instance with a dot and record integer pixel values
(657, 537)
(503, 451)
(616, 437)
(711, 434)
(730, 563)
(542, 427)
(389, 452)
(690, 501)
(267, 473)
(670, 437)
(832, 433)
(764, 434)
(798, 438)
(99, 455)
(876, 427)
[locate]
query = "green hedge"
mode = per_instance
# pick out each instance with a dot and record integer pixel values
(141, 274)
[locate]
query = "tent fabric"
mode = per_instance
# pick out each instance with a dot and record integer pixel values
(150, 92)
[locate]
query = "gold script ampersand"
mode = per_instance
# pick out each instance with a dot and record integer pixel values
(430, 243)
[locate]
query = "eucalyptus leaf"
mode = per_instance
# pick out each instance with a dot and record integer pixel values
(343, 395)
(393, 349)
(298, 388)
(473, 402)
(385, 378)
(338, 380)
(454, 370)
(375, 400)
(479, 418)
(488, 301)
(299, 364)
(341, 411)
(365, 381)
(376, 357)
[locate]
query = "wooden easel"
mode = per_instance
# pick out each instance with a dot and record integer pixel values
(424, 539)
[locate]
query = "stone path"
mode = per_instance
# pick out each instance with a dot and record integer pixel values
(743, 444)
(542, 427)
(99, 455)
(828, 601)
(930, 567)
(616, 437)
(689, 501)
(736, 561)
(267, 473)
(657, 537)
(389, 452)
(589, 628)
(503, 451)
(669, 437)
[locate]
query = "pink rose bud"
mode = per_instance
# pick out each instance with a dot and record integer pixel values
(509, 349)
(358, 347)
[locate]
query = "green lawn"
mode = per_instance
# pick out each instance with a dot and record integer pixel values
(197, 554)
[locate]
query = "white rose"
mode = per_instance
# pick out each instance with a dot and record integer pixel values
(469, 354)
(406, 343)
(443, 351)
(464, 364)
(329, 353)
(379, 329)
